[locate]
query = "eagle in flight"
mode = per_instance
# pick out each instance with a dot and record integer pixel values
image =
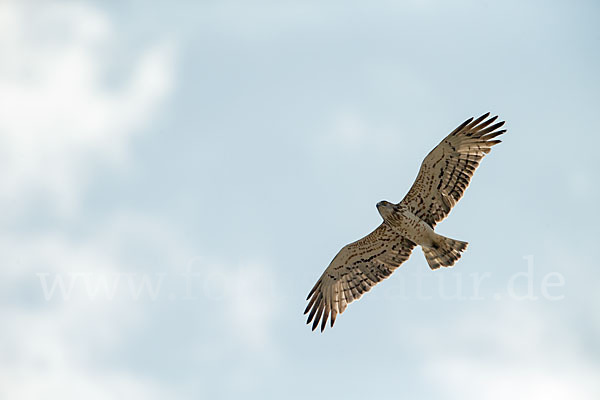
(444, 175)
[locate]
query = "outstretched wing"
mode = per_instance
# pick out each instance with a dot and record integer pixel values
(447, 170)
(355, 270)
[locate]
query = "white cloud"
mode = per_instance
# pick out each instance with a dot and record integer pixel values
(251, 304)
(57, 343)
(49, 347)
(58, 115)
(59, 118)
(244, 296)
(517, 351)
(45, 355)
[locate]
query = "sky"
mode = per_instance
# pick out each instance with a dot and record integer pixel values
(177, 175)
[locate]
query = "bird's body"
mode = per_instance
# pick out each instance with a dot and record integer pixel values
(406, 224)
(444, 175)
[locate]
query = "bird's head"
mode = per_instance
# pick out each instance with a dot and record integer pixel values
(385, 208)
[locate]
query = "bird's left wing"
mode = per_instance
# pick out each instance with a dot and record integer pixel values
(355, 270)
(447, 170)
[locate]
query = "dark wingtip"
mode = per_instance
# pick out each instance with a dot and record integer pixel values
(461, 126)
(492, 128)
(315, 324)
(324, 320)
(312, 314)
(313, 289)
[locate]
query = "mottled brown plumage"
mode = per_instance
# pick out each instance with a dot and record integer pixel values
(444, 175)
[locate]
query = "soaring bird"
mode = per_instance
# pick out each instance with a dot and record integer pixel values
(444, 175)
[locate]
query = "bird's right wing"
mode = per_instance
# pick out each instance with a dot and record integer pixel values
(355, 270)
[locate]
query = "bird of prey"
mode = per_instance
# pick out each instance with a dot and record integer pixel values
(444, 175)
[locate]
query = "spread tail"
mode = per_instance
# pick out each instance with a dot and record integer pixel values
(444, 253)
